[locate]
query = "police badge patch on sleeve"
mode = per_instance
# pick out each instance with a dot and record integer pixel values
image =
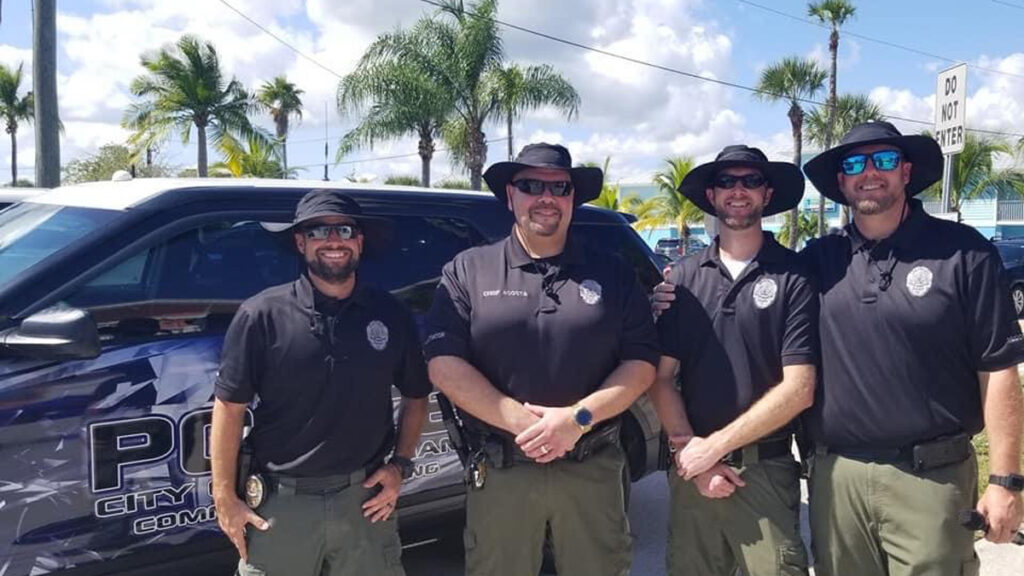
(919, 281)
(377, 335)
(764, 292)
(590, 292)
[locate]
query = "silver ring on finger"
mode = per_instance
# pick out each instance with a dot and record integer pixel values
(544, 449)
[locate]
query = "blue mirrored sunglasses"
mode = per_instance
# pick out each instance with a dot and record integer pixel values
(537, 187)
(884, 161)
(323, 231)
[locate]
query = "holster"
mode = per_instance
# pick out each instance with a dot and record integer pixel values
(940, 452)
(601, 436)
(457, 432)
(246, 466)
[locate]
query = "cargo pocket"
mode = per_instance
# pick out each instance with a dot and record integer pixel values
(792, 560)
(971, 567)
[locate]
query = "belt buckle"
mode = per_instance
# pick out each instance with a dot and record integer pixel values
(255, 490)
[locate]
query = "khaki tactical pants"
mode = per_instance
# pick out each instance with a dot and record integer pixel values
(756, 530)
(582, 502)
(322, 535)
(871, 519)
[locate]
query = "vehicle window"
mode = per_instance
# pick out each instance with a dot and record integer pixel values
(30, 233)
(195, 281)
(1011, 254)
(621, 240)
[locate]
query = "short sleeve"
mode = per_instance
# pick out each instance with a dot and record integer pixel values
(412, 380)
(800, 337)
(994, 335)
(238, 377)
(669, 322)
(447, 322)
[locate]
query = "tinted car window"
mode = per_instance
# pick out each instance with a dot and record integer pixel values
(620, 240)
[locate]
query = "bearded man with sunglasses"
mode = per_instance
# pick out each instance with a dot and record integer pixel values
(739, 348)
(920, 347)
(321, 354)
(541, 342)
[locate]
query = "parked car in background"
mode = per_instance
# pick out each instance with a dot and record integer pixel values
(675, 248)
(1012, 252)
(114, 301)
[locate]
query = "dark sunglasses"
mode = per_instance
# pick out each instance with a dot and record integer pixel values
(323, 231)
(748, 181)
(884, 161)
(536, 187)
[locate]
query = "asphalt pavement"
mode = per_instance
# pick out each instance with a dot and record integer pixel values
(649, 521)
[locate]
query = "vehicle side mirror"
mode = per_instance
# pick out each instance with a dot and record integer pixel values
(54, 334)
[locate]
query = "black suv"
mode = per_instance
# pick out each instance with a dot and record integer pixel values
(1012, 253)
(114, 300)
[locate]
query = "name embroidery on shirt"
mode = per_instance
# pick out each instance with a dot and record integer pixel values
(764, 292)
(919, 281)
(377, 335)
(515, 293)
(590, 292)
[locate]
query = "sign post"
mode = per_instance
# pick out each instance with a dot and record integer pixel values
(950, 121)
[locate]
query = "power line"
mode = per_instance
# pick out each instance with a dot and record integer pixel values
(693, 75)
(888, 43)
(1010, 4)
(279, 39)
(392, 157)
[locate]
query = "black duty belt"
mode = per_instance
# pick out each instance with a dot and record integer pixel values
(763, 450)
(319, 485)
(919, 456)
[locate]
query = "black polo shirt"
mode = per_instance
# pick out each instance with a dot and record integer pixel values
(322, 371)
(732, 337)
(545, 332)
(906, 325)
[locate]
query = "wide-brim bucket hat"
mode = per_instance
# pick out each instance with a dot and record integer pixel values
(322, 203)
(586, 180)
(784, 178)
(921, 151)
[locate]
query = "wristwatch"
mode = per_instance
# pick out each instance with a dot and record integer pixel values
(583, 417)
(1012, 482)
(405, 466)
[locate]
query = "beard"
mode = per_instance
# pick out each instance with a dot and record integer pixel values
(872, 206)
(544, 226)
(333, 272)
(742, 221)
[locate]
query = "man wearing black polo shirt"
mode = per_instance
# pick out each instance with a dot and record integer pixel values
(319, 357)
(920, 348)
(739, 347)
(539, 339)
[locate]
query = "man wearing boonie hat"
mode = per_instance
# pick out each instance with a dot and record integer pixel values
(541, 342)
(321, 354)
(920, 348)
(739, 348)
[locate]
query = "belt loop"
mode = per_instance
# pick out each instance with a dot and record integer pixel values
(750, 454)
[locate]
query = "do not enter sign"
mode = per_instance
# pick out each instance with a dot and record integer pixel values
(951, 109)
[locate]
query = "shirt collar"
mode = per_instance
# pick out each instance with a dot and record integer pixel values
(306, 292)
(771, 251)
(517, 257)
(905, 233)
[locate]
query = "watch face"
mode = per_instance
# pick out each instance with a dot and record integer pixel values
(584, 417)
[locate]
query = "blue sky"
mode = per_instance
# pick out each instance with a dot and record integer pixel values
(636, 115)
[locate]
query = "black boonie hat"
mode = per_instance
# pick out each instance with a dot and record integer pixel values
(921, 151)
(784, 178)
(322, 203)
(586, 180)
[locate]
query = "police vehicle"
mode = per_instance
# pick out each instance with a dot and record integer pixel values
(114, 300)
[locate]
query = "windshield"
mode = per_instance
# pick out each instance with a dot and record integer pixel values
(32, 232)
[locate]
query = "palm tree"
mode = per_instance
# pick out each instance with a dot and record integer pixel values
(283, 100)
(975, 176)
(792, 80)
(259, 159)
(394, 97)
(833, 13)
(455, 50)
(14, 109)
(185, 87)
(519, 90)
(669, 207)
(610, 196)
(806, 228)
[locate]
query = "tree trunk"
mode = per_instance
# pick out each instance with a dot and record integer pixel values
(14, 158)
(201, 142)
(281, 126)
(44, 89)
(426, 155)
(796, 120)
(510, 151)
(477, 157)
(833, 48)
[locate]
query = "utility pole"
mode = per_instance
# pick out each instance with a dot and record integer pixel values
(326, 140)
(44, 88)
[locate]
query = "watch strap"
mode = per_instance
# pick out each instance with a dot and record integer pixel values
(1013, 482)
(405, 466)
